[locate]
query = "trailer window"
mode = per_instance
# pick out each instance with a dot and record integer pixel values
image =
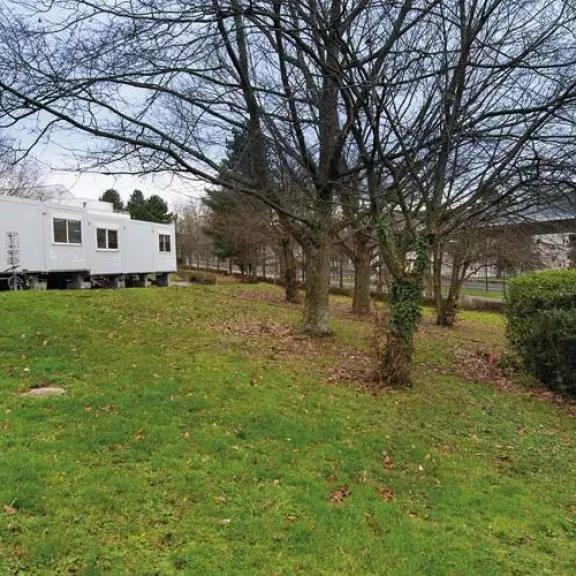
(165, 243)
(106, 239)
(67, 231)
(101, 238)
(60, 231)
(113, 239)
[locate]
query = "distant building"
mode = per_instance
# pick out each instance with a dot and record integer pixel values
(56, 240)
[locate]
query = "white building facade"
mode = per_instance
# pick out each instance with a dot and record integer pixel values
(81, 243)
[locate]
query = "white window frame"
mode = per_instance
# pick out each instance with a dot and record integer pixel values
(162, 243)
(67, 219)
(108, 230)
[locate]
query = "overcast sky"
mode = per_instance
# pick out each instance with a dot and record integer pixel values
(59, 159)
(175, 192)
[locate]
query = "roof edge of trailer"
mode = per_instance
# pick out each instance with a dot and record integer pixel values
(93, 208)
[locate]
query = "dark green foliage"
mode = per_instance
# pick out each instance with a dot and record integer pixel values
(541, 313)
(137, 206)
(237, 224)
(395, 342)
(158, 210)
(153, 209)
(241, 157)
(406, 297)
(113, 197)
(405, 306)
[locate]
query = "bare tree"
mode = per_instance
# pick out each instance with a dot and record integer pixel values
(165, 86)
(474, 117)
(502, 249)
(18, 177)
(192, 241)
(358, 243)
(240, 229)
(424, 108)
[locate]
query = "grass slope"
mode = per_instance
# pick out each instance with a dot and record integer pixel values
(181, 448)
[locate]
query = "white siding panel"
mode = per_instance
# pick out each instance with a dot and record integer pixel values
(24, 218)
(164, 261)
(106, 261)
(64, 257)
(138, 249)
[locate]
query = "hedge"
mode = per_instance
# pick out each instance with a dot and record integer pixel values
(541, 313)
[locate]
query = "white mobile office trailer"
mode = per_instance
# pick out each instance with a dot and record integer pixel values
(81, 243)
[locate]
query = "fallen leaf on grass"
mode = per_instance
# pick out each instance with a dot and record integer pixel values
(338, 496)
(224, 521)
(387, 462)
(291, 519)
(386, 495)
(9, 510)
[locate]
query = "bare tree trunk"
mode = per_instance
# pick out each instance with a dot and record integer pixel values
(380, 278)
(361, 304)
(316, 301)
(290, 272)
(447, 308)
(447, 311)
(253, 270)
(437, 262)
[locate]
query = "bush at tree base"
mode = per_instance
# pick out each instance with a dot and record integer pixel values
(541, 313)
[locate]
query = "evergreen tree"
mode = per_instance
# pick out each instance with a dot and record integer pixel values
(113, 197)
(152, 209)
(158, 210)
(238, 225)
(137, 206)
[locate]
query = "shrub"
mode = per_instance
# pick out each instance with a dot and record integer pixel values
(337, 291)
(198, 277)
(541, 313)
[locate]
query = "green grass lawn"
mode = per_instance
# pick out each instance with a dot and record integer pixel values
(198, 436)
(495, 294)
